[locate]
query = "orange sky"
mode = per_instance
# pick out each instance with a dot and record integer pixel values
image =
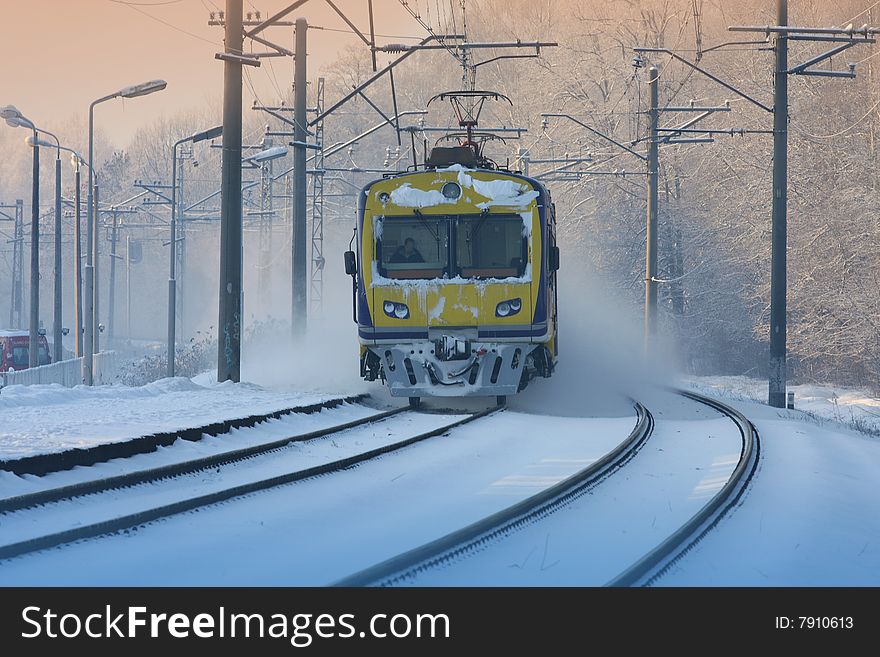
(59, 55)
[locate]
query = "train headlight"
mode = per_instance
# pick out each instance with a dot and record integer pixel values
(384, 197)
(451, 191)
(396, 310)
(508, 308)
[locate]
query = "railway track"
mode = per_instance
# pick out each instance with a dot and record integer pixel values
(152, 475)
(407, 566)
(402, 567)
(10, 506)
(655, 563)
(43, 464)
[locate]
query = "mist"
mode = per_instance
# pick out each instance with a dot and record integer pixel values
(602, 360)
(326, 359)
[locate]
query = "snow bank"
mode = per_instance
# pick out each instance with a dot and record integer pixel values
(851, 407)
(812, 514)
(51, 418)
(17, 396)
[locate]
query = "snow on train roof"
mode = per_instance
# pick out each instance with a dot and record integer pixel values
(503, 192)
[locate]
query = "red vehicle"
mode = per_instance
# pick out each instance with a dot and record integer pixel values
(14, 347)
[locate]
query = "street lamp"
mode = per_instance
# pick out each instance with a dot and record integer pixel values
(269, 154)
(91, 341)
(212, 133)
(14, 118)
(77, 160)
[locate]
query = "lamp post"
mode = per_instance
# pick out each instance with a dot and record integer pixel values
(90, 342)
(213, 133)
(14, 118)
(77, 160)
(77, 254)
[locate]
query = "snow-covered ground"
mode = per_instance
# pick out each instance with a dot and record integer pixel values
(60, 516)
(810, 517)
(812, 514)
(595, 537)
(51, 418)
(187, 450)
(319, 530)
(851, 407)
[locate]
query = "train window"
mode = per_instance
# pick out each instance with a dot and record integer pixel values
(491, 247)
(413, 247)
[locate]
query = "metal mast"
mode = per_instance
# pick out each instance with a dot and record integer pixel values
(229, 333)
(299, 257)
(778, 267)
(316, 292)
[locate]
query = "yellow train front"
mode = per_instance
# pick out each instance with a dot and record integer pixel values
(455, 282)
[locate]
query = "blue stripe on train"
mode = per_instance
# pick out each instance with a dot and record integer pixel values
(377, 334)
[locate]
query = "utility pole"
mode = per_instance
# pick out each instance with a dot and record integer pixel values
(372, 34)
(174, 256)
(89, 289)
(181, 265)
(523, 157)
(56, 317)
(872, 133)
(96, 235)
(18, 274)
(91, 340)
(299, 255)
(778, 267)
(111, 332)
(128, 287)
(77, 263)
(34, 324)
(299, 220)
(180, 250)
(229, 334)
(15, 318)
(844, 38)
(316, 288)
(172, 266)
(266, 229)
(651, 233)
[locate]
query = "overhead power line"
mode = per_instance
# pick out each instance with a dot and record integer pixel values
(165, 23)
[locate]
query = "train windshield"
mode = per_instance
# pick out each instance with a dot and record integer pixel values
(490, 247)
(413, 247)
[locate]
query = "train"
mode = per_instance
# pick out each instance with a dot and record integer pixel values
(454, 277)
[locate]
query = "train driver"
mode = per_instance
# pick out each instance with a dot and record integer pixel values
(407, 253)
